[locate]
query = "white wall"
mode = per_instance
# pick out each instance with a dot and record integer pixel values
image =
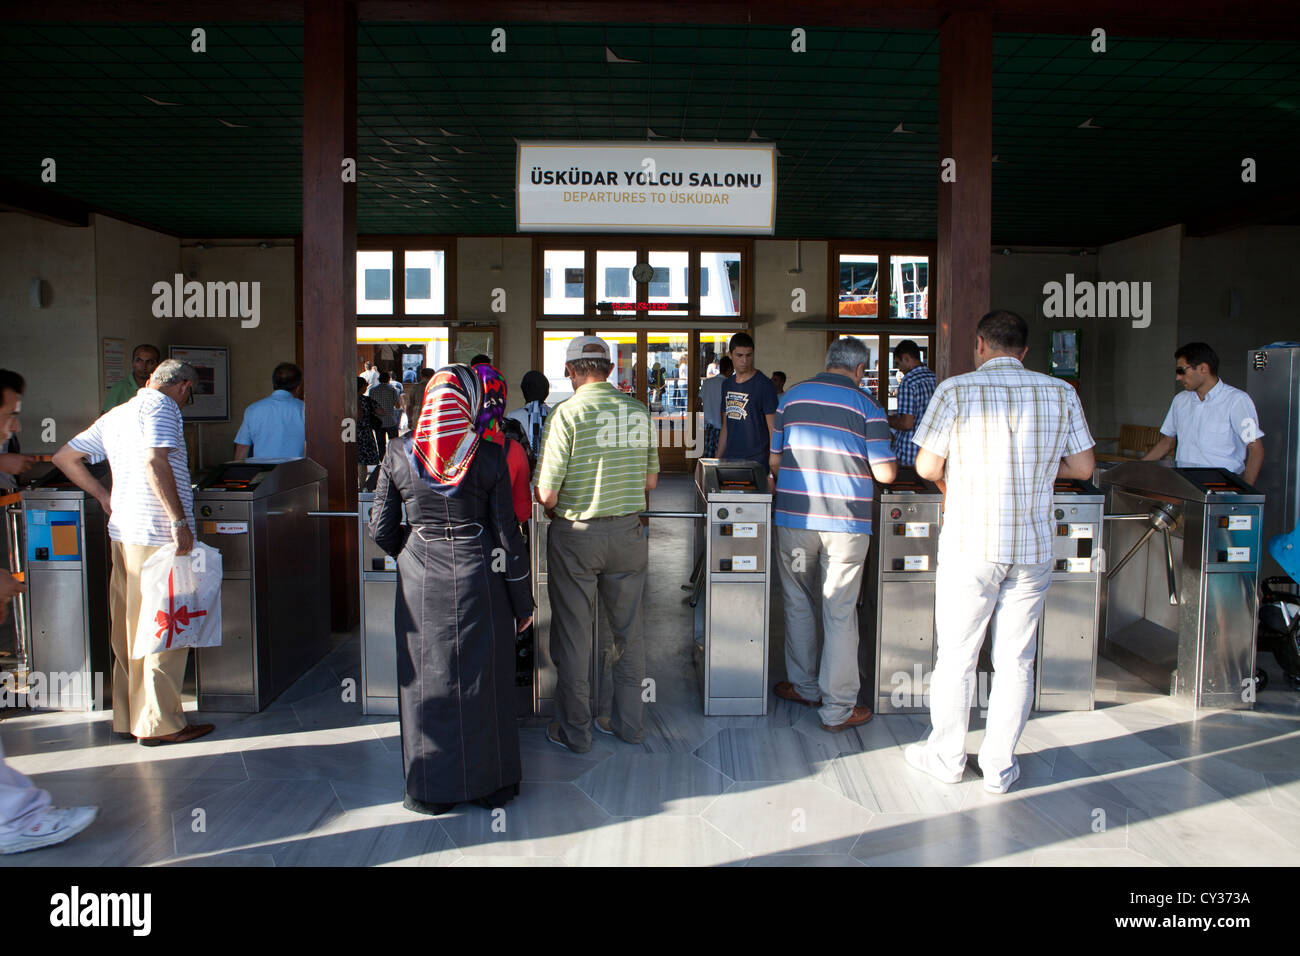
(1134, 383)
(254, 351)
(55, 348)
(100, 284)
(1256, 264)
(475, 284)
(799, 354)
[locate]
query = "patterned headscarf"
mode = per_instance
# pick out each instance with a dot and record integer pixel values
(488, 423)
(445, 438)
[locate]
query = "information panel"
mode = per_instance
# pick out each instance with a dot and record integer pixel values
(646, 187)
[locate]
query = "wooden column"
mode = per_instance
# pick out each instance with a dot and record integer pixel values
(328, 293)
(965, 206)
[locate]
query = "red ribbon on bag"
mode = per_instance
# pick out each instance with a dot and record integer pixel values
(175, 618)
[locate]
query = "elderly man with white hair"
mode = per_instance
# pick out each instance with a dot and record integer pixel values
(151, 505)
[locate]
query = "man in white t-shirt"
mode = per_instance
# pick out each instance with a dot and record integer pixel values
(151, 505)
(1211, 424)
(371, 375)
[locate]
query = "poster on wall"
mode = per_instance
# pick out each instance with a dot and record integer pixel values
(646, 187)
(211, 399)
(114, 353)
(1065, 353)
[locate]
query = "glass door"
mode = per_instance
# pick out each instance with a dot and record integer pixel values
(667, 393)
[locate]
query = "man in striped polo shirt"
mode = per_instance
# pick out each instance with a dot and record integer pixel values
(598, 461)
(151, 505)
(828, 440)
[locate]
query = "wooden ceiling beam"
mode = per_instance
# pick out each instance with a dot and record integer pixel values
(1208, 19)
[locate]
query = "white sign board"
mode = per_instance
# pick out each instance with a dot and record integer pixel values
(646, 187)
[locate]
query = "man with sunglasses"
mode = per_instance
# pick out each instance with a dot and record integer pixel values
(1211, 424)
(151, 505)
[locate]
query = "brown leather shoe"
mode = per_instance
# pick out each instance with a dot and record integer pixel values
(184, 735)
(785, 690)
(859, 717)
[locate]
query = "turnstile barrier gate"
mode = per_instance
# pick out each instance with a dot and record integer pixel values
(734, 538)
(907, 516)
(1181, 609)
(907, 519)
(68, 564)
(275, 575)
(1065, 672)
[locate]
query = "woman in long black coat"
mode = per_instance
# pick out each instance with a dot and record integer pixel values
(463, 590)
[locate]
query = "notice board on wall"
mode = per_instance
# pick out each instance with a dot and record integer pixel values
(211, 399)
(115, 361)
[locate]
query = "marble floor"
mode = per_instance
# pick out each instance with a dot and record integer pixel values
(311, 781)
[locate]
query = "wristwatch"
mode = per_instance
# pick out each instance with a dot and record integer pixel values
(180, 523)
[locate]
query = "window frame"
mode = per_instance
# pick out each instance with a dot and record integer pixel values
(399, 245)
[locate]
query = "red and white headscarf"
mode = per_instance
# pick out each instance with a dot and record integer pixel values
(445, 438)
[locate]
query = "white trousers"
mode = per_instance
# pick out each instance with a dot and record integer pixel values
(22, 803)
(971, 595)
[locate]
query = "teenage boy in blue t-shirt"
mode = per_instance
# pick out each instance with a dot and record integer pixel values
(748, 406)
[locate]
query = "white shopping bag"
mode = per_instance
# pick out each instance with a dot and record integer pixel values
(180, 600)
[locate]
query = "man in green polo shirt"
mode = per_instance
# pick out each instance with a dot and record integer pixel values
(599, 458)
(144, 359)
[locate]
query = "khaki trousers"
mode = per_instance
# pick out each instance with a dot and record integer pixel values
(147, 690)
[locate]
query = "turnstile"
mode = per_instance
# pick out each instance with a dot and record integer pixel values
(378, 594)
(68, 563)
(534, 668)
(1065, 672)
(735, 540)
(1180, 609)
(275, 578)
(906, 519)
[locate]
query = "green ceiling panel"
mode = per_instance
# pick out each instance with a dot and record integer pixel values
(219, 153)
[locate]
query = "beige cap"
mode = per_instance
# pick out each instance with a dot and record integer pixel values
(587, 347)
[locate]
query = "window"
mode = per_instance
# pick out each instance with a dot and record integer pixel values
(570, 297)
(426, 276)
(859, 285)
(659, 283)
(374, 282)
(614, 267)
(702, 279)
(573, 283)
(617, 284)
(719, 283)
(909, 296)
(661, 291)
(403, 282)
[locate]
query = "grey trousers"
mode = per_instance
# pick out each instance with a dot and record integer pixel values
(821, 572)
(608, 555)
(820, 575)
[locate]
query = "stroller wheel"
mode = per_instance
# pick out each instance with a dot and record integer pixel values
(1261, 679)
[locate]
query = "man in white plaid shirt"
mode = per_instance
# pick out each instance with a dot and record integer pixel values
(1001, 432)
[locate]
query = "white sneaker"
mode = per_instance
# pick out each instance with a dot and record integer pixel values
(992, 787)
(58, 824)
(918, 758)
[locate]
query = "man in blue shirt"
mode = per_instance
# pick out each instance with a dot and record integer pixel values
(914, 393)
(829, 440)
(275, 427)
(748, 405)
